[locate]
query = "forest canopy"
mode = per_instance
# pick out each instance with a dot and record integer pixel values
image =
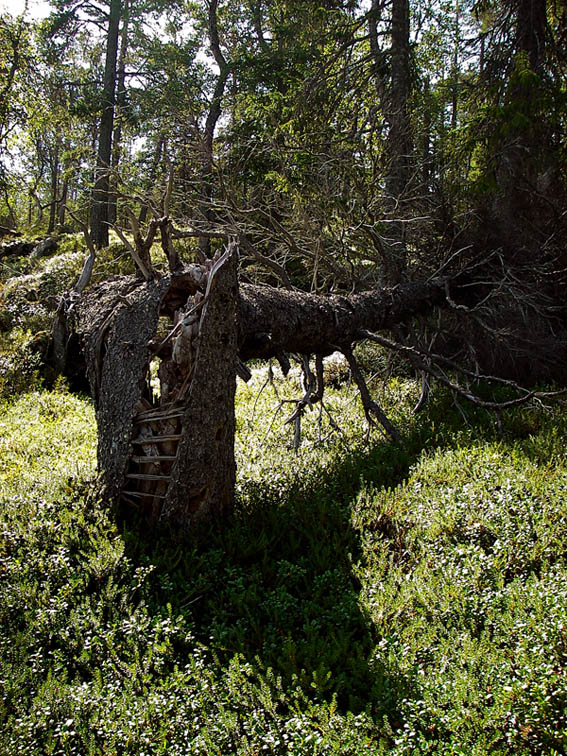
(350, 143)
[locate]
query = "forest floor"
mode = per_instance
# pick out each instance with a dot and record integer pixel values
(363, 599)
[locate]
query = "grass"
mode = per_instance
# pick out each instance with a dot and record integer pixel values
(363, 599)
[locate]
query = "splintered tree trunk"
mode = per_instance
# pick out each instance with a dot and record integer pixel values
(203, 475)
(169, 453)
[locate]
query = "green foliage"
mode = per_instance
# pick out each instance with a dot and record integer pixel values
(19, 362)
(30, 295)
(362, 599)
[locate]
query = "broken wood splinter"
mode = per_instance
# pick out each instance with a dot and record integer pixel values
(138, 495)
(143, 417)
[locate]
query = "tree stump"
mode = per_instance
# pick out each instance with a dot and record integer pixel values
(165, 437)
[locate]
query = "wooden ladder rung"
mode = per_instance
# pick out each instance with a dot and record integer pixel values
(146, 476)
(138, 495)
(149, 460)
(154, 416)
(155, 439)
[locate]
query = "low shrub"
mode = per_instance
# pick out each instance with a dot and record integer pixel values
(363, 598)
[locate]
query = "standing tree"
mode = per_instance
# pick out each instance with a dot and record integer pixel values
(399, 136)
(101, 190)
(15, 59)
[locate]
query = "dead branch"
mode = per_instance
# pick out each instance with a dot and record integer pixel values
(86, 273)
(145, 272)
(370, 405)
(173, 259)
(427, 366)
(275, 267)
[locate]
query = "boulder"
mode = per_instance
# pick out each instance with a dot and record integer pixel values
(45, 247)
(17, 248)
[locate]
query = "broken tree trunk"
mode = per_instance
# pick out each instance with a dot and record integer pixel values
(162, 358)
(203, 474)
(164, 395)
(171, 451)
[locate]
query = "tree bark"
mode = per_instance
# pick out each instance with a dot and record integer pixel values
(172, 455)
(271, 321)
(393, 101)
(54, 167)
(204, 473)
(117, 321)
(526, 152)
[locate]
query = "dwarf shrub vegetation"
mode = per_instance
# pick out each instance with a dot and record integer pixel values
(363, 599)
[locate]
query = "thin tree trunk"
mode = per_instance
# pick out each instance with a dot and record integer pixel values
(62, 205)
(377, 54)
(427, 162)
(455, 72)
(54, 186)
(207, 164)
(99, 207)
(121, 104)
(399, 138)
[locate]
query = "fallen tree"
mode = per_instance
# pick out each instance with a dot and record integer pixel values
(162, 354)
(169, 447)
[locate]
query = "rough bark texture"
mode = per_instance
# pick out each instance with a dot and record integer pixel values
(170, 453)
(117, 331)
(274, 320)
(172, 456)
(203, 476)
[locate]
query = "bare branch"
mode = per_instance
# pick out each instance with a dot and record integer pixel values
(275, 267)
(86, 273)
(145, 272)
(371, 406)
(426, 366)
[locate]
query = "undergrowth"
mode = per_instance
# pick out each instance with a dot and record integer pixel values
(363, 598)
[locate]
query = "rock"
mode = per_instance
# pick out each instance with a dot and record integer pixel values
(45, 247)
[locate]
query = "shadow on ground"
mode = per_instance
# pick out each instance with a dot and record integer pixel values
(275, 583)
